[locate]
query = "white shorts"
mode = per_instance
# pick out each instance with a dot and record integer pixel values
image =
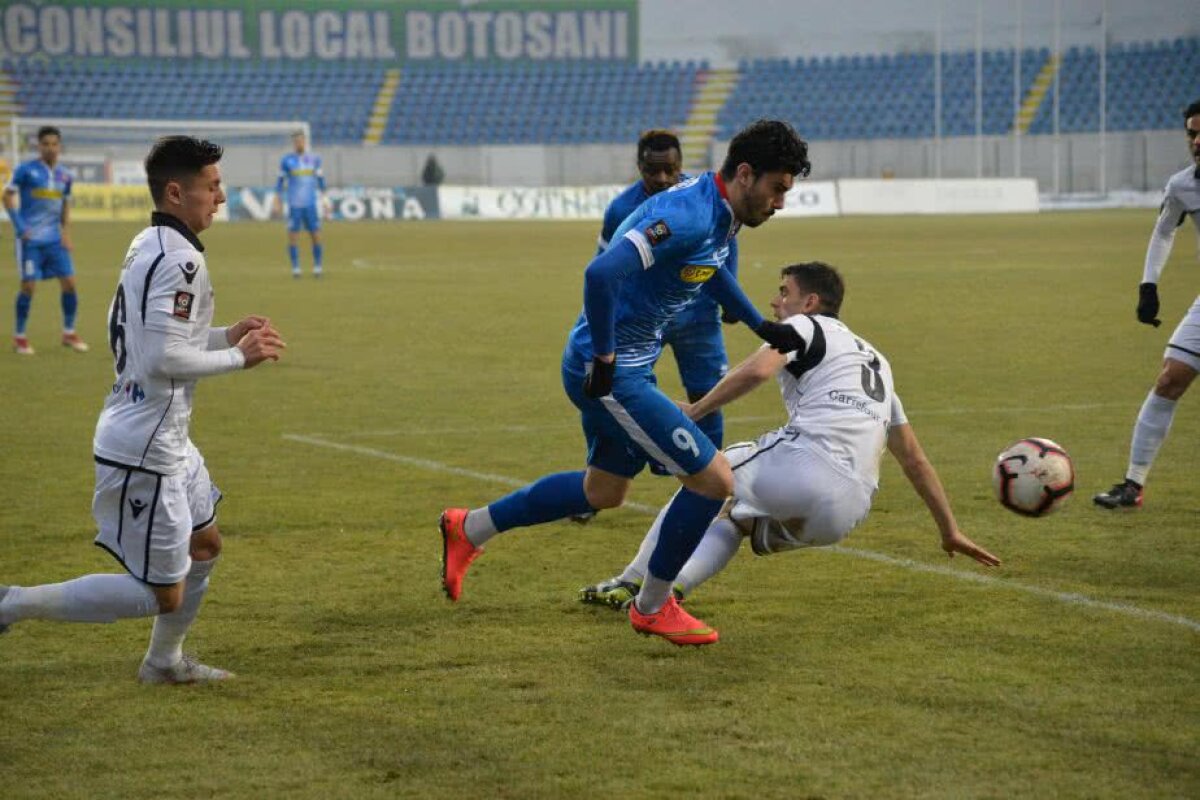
(785, 478)
(1185, 341)
(146, 520)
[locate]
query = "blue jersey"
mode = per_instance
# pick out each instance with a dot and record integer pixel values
(704, 309)
(43, 191)
(621, 207)
(683, 237)
(302, 174)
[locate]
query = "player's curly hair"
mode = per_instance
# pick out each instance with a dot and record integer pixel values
(656, 140)
(1191, 111)
(767, 145)
(820, 279)
(172, 158)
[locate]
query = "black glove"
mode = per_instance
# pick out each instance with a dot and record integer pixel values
(728, 318)
(1147, 310)
(599, 380)
(783, 338)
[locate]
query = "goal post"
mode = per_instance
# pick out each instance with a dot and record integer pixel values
(112, 150)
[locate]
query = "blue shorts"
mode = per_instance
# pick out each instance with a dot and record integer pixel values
(699, 350)
(306, 218)
(636, 423)
(40, 262)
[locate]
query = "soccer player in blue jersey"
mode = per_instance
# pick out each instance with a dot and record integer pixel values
(43, 244)
(300, 170)
(672, 248)
(695, 333)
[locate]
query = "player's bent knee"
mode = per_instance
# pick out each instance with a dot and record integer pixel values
(714, 481)
(170, 598)
(205, 544)
(1174, 380)
(604, 490)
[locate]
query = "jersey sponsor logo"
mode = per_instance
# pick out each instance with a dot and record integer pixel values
(658, 233)
(46, 194)
(183, 305)
(695, 274)
(189, 271)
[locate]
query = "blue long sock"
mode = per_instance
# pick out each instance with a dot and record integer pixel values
(294, 255)
(549, 498)
(24, 301)
(683, 527)
(70, 303)
(318, 254)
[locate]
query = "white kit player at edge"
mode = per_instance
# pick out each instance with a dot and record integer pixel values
(811, 482)
(1181, 361)
(154, 502)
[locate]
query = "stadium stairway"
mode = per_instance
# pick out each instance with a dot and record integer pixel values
(377, 122)
(9, 105)
(1037, 93)
(713, 87)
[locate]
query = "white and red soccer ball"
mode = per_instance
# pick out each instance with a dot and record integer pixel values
(1033, 477)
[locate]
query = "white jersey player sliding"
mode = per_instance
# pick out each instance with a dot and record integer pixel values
(809, 483)
(1181, 361)
(154, 502)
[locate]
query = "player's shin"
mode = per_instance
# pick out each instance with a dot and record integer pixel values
(718, 547)
(70, 304)
(91, 598)
(24, 303)
(683, 526)
(1153, 423)
(166, 641)
(552, 497)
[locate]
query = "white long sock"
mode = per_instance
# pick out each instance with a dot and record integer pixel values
(92, 598)
(640, 566)
(719, 545)
(478, 526)
(653, 594)
(1153, 423)
(166, 642)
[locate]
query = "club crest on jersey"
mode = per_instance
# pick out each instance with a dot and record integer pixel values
(694, 274)
(189, 271)
(183, 305)
(658, 233)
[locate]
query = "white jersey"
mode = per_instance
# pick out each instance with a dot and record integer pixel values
(1180, 200)
(164, 289)
(839, 395)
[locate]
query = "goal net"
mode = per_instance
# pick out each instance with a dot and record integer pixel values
(111, 151)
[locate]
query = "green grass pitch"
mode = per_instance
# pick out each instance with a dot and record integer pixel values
(423, 371)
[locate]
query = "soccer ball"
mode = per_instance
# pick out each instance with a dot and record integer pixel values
(1033, 477)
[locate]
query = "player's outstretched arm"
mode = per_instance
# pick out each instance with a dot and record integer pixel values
(903, 444)
(747, 376)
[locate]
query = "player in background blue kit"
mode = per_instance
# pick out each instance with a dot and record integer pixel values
(43, 244)
(300, 170)
(672, 248)
(695, 333)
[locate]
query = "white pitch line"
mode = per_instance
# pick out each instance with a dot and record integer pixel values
(778, 418)
(1070, 598)
(432, 466)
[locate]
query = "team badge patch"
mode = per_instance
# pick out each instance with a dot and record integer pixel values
(696, 274)
(658, 233)
(183, 305)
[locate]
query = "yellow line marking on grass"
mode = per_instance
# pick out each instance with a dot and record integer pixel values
(1070, 598)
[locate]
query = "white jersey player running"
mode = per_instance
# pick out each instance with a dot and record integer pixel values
(1181, 361)
(154, 501)
(809, 483)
